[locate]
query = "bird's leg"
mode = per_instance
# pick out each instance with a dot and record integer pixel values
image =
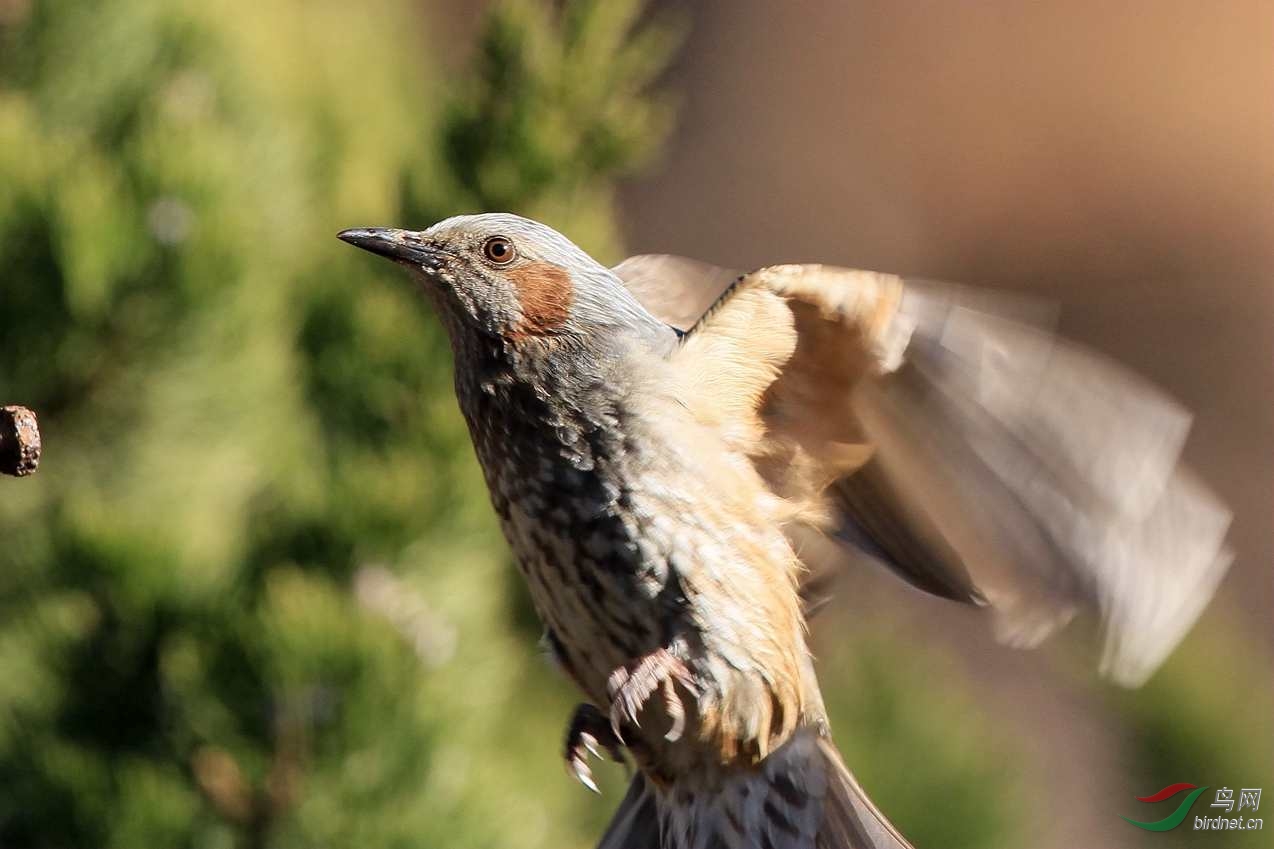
(588, 729)
(631, 686)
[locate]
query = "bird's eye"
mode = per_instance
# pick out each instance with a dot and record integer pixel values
(499, 250)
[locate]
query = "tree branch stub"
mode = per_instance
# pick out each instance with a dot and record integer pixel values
(19, 441)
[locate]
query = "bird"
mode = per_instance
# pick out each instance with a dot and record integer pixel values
(666, 442)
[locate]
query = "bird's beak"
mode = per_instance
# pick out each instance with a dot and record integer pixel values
(399, 245)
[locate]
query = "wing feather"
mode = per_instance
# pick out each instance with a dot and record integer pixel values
(949, 433)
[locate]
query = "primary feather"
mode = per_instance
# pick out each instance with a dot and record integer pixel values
(949, 433)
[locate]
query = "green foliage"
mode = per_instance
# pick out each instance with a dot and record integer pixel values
(557, 104)
(254, 596)
(919, 743)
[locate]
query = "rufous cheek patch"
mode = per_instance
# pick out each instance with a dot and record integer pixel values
(545, 293)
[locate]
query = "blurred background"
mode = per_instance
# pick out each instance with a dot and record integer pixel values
(255, 596)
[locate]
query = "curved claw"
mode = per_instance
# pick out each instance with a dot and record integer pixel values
(630, 687)
(676, 712)
(588, 730)
(584, 775)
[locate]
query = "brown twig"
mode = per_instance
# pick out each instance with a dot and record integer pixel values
(19, 441)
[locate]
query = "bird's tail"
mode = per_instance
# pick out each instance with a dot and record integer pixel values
(849, 817)
(800, 797)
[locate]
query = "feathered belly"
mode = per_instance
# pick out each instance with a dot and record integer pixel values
(602, 590)
(637, 541)
(615, 584)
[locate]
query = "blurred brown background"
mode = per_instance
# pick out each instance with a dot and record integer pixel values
(1116, 156)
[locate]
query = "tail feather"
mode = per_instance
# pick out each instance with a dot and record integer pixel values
(636, 821)
(850, 820)
(801, 797)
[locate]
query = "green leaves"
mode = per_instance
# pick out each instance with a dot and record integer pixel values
(557, 103)
(255, 595)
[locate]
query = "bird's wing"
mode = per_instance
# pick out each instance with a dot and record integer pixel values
(949, 433)
(676, 290)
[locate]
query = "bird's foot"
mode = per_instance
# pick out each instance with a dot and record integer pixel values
(588, 729)
(631, 686)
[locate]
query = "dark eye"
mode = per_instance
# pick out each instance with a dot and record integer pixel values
(499, 250)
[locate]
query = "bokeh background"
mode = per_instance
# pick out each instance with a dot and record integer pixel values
(254, 597)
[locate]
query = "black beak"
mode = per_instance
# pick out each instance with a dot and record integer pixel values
(398, 245)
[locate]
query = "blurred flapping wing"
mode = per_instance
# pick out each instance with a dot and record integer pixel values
(677, 290)
(950, 434)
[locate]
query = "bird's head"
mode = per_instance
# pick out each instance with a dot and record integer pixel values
(508, 280)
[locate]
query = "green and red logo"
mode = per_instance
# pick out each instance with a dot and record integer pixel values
(1175, 818)
(1249, 799)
